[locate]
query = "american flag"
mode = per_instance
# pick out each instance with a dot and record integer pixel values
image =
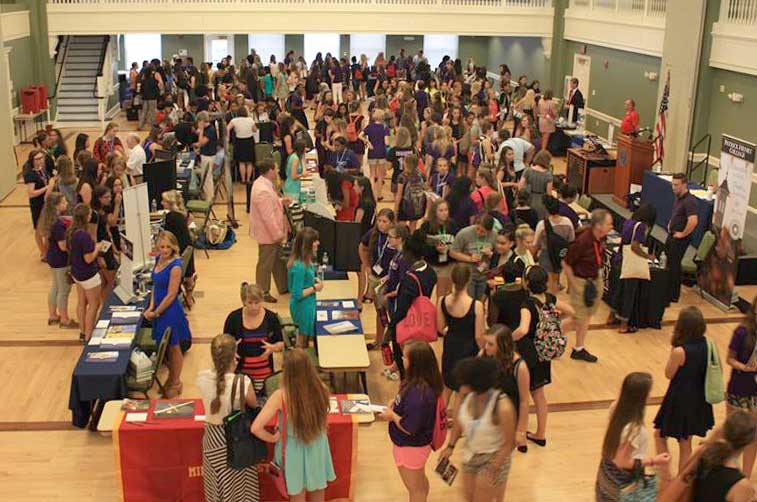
(662, 122)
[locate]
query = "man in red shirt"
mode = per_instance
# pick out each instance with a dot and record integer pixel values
(583, 266)
(630, 122)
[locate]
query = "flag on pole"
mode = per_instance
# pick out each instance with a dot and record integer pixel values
(662, 122)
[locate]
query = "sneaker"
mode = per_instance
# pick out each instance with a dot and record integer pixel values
(583, 355)
(267, 298)
(386, 372)
(395, 376)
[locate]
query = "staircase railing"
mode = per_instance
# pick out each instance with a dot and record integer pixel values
(60, 63)
(100, 64)
(692, 167)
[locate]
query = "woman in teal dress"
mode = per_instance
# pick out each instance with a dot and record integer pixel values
(301, 406)
(295, 165)
(165, 310)
(303, 284)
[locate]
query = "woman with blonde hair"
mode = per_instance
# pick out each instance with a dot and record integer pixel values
(546, 110)
(258, 333)
(301, 407)
(403, 146)
(177, 222)
(67, 181)
(51, 225)
(303, 284)
(216, 386)
(165, 310)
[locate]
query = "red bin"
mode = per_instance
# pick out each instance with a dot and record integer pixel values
(42, 88)
(30, 100)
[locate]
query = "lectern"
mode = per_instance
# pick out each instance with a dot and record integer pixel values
(635, 155)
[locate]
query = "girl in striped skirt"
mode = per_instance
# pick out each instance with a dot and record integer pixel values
(223, 484)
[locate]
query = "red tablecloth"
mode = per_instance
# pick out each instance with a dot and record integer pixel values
(161, 459)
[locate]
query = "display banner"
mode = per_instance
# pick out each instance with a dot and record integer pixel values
(729, 218)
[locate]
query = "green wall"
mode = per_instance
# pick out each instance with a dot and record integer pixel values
(241, 48)
(524, 55)
(622, 79)
(22, 73)
(171, 44)
(396, 42)
(294, 43)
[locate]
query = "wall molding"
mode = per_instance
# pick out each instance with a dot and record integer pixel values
(733, 48)
(620, 31)
(15, 25)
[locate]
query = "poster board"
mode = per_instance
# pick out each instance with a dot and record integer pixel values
(731, 205)
(137, 223)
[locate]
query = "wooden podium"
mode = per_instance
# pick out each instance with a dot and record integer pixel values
(635, 155)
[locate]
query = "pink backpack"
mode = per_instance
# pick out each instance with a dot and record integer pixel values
(420, 322)
(440, 425)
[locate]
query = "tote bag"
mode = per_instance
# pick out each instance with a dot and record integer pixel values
(633, 265)
(243, 449)
(420, 322)
(713, 377)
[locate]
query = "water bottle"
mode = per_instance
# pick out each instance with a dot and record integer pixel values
(153, 206)
(663, 261)
(386, 354)
(323, 267)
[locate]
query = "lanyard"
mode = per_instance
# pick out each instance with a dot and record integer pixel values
(340, 160)
(598, 253)
(381, 248)
(440, 183)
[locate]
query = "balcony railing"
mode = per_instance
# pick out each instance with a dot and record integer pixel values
(738, 12)
(638, 8)
(525, 4)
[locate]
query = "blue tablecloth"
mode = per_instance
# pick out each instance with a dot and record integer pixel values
(92, 381)
(320, 307)
(658, 192)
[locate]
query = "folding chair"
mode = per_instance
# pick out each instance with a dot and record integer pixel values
(204, 209)
(144, 387)
(186, 257)
(196, 193)
(693, 266)
(263, 150)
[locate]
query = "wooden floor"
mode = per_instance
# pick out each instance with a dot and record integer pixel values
(42, 458)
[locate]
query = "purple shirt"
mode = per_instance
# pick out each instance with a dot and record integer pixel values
(741, 384)
(55, 257)
(417, 407)
(463, 213)
(438, 182)
(568, 212)
(626, 236)
(398, 266)
(381, 253)
(376, 134)
(81, 244)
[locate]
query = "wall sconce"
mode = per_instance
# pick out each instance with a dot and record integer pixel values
(736, 97)
(650, 75)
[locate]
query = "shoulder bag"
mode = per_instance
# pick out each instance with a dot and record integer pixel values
(276, 472)
(243, 449)
(713, 377)
(634, 266)
(420, 322)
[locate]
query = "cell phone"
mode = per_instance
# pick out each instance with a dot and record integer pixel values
(447, 471)
(106, 246)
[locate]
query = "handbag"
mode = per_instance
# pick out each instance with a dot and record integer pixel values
(634, 266)
(276, 472)
(643, 488)
(590, 293)
(420, 322)
(713, 377)
(243, 449)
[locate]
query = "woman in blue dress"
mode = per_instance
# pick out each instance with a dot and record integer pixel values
(301, 406)
(165, 309)
(303, 284)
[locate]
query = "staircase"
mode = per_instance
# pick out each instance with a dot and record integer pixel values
(82, 62)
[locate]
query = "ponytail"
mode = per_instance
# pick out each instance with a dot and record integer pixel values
(738, 432)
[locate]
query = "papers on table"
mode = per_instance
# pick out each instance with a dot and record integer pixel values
(348, 304)
(199, 418)
(103, 324)
(333, 405)
(377, 408)
(136, 417)
(321, 315)
(340, 327)
(102, 357)
(354, 406)
(125, 318)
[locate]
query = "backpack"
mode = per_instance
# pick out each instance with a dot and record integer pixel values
(358, 73)
(420, 322)
(713, 376)
(391, 71)
(557, 245)
(414, 199)
(440, 425)
(351, 131)
(549, 341)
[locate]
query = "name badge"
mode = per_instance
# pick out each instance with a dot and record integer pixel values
(378, 269)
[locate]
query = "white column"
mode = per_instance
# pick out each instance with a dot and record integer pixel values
(684, 25)
(7, 157)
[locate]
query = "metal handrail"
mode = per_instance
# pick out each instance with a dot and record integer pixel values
(104, 49)
(706, 161)
(67, 40)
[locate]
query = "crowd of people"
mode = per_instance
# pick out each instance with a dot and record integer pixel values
(473, 212)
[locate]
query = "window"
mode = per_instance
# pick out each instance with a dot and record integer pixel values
(435, 47)
(321, 42)
(219, 48)
(368, 44)
(266, 44)
(139, 47)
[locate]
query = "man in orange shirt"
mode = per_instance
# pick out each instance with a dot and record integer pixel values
(630, 122)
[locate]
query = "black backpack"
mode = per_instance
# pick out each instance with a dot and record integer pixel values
(557, 246)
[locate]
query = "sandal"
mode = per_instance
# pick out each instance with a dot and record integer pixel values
(628, 329)
(540, 442)
(71, 324)
(52, 322)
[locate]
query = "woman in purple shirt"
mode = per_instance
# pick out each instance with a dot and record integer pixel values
(742, 387)
(412, 415)
(51, 225)
(378, 135)
(84, 269)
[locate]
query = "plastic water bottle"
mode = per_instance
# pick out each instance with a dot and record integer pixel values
(153, 206)
(324, 266)
(663, 261)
